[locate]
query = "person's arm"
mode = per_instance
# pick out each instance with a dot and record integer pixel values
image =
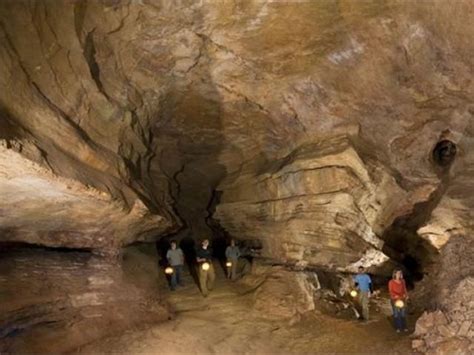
(227, 252)
(405, 292)
(371, 289)
(181, 256)
(238, 252)
(168, 256)
(356, 284)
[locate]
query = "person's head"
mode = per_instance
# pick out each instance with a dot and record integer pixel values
(173, 244)
(232, 242)
(397, 274)
(361, 269)
(205, 243)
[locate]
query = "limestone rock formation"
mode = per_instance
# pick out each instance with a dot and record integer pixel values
(450, 331)
(67, 300)
(280, 294)
(38, 207)
(320, 205)
(160, 101)
(311, 126)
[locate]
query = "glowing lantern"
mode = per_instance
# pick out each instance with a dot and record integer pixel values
(205, 266)
(228, 264)
(169, 270)
(354, 293)
(399, 304)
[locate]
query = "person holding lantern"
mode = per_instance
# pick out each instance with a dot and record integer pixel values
(232, 254)
(175, 261)
(363, 282)
(398, 299)
(205, 267)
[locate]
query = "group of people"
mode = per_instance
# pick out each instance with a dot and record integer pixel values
(206, 274)
(204, 265)
(398, 296)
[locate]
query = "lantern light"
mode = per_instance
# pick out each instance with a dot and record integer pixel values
(205, 266)
(228, 264)
(169, 270)
(353, 293)
(399, 304)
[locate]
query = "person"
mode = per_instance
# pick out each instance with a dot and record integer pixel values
(398, 292)
(232, 253)
(176, 261)
(206, 277)
(364, 285)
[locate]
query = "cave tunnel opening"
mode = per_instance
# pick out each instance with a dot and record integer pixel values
(403, 244)
(444, 153)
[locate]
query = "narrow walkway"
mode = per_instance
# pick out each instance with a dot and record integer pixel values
(224, 323)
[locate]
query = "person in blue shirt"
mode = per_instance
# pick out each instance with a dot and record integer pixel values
(363, 283)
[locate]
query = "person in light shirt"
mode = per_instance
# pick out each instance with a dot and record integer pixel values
(363, 283)
(398, 299)
(176, 261)
(232, 254)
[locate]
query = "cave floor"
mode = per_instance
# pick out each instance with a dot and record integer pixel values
(223, 324)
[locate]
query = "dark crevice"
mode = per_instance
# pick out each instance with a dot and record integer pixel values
(405, 246)
(18, 246)
(61, 113)
(79, 15)
(444, 153)
(89, 55)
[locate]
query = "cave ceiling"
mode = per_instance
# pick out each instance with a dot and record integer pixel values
(332, 106)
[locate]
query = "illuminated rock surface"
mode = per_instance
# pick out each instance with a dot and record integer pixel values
(334, 133)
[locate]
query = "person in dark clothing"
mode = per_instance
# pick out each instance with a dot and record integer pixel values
(205, 267)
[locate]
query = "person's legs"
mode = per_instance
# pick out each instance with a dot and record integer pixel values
(179, 270)
(403, 319)
(211, 276)
(364, 302)
(233, 270)
(396, 317)
(173, 279)
(203, 280)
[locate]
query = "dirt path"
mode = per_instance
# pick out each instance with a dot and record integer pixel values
(223, 324)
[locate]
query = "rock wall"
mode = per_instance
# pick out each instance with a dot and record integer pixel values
(321, 205)
(39, 207)
(54, 301)
(159, 101)
(451, 330)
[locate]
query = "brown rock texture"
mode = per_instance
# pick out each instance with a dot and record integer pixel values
(310, 126)
(160, 101)
(280, 294)
(56, 302)
(41, 208)
(449, 331)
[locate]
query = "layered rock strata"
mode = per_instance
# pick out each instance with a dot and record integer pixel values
(39, 207)
(55, 301)
(322, 205)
